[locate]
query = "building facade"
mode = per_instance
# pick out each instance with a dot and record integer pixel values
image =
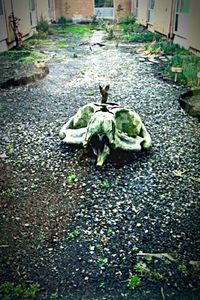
(28, 11)
(86, 9)
(178, 20)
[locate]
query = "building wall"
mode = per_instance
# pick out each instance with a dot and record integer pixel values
(85, 8)
(194, 25)
(126, 8)
(142, 12)
(21, 10)
(42, 9)
(162, 16)
(77, 8)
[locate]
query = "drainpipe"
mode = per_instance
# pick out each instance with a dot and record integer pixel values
(172, 18)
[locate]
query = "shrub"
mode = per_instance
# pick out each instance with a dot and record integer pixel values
(141, 37)
(42, 25)
(62, 21)
(190, 65)
(163, 47)
(127, 20)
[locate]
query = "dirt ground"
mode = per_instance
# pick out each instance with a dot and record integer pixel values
(84, 239)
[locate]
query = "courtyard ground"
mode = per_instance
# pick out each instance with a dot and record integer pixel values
(82, 232)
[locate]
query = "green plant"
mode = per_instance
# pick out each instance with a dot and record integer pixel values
(134, 249)
(110, 32)
(141, 37)
(18, 162)
(149, 259)
(156, 276)
(9, 291)
(9, 193)
(103, 184)
(182, 268)
(110, 232)
(133, 281)
(102, 262)
(42, 25)
(71, 178)
(62, 21)
(54, 296)
(139, 268)
(127, 20)
(74, 234)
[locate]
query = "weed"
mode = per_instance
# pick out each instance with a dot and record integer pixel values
(61, 46)
(103, 184)
(182, 268)
(139, 268)
(9, 193)
(75, 55)
(75, 29)
(178, 173)
(43, 25)
(71, 178)
(134, 249)
(162, 197)
(54, 296)
(18, 162)
(102, 285)
(9, 149)
(149, 259)
(62, 21)
(167, 262)
(98, 247)
(141, 37)
(9, 291)
(156, 276)
(74, 234)
(110, 232)
(102, 262)
(163, 47)
(133, 281)
(127, 20)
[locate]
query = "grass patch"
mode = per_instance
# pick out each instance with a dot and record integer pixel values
(141, 37)
(190, 65)
(164, 48)
(23, 56)
(75, 29)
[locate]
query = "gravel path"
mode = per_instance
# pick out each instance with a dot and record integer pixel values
(81, 239)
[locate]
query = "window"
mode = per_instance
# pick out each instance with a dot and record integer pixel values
(1, 7)
(32, 4)
(182, 6)
(49, 3)
(103, 3)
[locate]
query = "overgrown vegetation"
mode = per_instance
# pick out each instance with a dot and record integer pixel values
(190, 65)
(75, 29)
(141, 37)
(43, 25)
(23, 56)
(9, 291)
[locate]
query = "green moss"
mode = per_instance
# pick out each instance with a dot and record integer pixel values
(23, 56)
(75, 29)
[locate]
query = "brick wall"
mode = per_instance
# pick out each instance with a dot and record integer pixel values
(85, 8)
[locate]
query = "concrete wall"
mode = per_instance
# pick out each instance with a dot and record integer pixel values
(194, 25)
(21, 10)
(142, 12)
(42, 10)
(162, 16)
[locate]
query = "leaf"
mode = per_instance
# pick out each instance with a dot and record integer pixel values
(178, 173)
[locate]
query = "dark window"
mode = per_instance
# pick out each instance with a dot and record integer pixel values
(103, 3)
(32, 4)
(176, 23)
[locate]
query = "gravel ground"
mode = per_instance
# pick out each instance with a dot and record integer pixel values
(83, 239)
